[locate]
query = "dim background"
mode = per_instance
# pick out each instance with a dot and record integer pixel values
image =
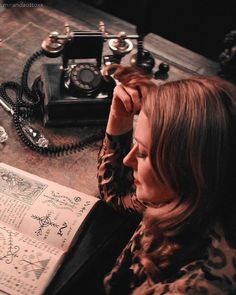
(197, 25)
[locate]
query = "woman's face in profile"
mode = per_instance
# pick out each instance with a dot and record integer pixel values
(148, 186)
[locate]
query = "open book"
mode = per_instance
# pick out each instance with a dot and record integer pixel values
(39, 220)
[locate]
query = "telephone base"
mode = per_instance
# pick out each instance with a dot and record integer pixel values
(60, 108)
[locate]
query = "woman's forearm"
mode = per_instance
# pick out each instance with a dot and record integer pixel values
(117, 126)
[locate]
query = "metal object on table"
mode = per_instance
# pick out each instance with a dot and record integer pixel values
(3, 135)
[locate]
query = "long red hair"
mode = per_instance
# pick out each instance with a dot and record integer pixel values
(193, 151)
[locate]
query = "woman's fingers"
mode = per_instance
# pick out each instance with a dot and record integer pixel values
(130, 98)
(136, 99)
(126, 98)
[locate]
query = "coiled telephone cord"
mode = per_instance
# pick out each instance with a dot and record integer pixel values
(26, 110)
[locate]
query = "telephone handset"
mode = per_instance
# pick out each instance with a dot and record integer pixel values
(71, 93)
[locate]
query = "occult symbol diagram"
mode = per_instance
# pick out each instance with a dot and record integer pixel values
(61, 201)
(64, 225)
(10, 252)
(77, 199)
(33, 264)
(20, 187)
(44, 221)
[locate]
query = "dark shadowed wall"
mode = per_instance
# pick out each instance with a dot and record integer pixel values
(198, 25)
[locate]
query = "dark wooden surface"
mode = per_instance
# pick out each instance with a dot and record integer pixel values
(21, 32)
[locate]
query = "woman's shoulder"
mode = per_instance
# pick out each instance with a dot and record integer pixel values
(215, 274)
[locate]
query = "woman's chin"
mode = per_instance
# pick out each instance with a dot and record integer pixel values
(141, 196)
(146, 199)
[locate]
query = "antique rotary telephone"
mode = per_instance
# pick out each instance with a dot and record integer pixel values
(74, 92)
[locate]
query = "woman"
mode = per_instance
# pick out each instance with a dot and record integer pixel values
(180, 175)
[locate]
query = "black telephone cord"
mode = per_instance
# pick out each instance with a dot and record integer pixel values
(31, 93)
(25, 110)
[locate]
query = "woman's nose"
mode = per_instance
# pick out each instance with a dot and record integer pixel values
(130, 159)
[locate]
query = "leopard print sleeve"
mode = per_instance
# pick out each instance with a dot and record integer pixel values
(115, 181)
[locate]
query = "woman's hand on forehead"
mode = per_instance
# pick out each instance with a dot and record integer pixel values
(126, 101)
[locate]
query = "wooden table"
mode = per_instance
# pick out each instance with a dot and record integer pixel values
(21, 32)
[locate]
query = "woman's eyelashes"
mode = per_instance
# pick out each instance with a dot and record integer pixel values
(140, 153)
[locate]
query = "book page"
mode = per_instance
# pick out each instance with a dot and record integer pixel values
(40, 208)
(27, 265)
